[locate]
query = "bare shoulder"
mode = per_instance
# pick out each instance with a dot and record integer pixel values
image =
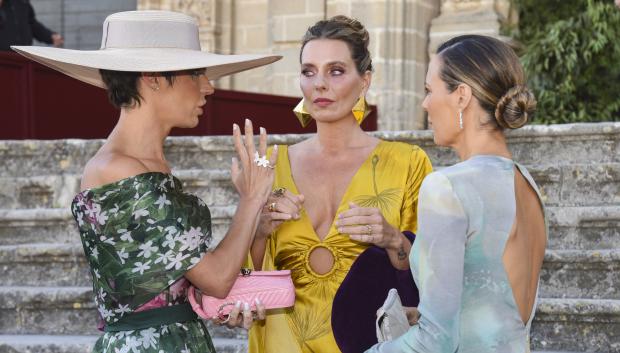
(108, 167)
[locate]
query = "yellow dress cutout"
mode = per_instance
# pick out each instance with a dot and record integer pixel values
(389, 179)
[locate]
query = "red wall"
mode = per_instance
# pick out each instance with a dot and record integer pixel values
(39, 103)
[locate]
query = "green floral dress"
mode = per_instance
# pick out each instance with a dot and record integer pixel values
(140, 236)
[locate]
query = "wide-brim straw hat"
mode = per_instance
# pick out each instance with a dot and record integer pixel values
(143, 41)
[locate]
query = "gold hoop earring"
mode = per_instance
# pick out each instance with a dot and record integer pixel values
(361, 110)
(302, 114)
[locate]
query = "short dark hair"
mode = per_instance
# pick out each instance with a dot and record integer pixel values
(348, 30)
(122, 86)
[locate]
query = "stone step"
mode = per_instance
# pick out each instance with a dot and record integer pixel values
(581, 228)
(585, 325)
(532, 145)
(44, 264)
(56, 225)
(57, 191)
(560, 324)
(63, 311)
(84, 344)
(591, 274)
(561, 185)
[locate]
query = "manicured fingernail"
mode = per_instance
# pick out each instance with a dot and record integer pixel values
(257, 301)
(247, 121)
(246, 306)
(235, 127)
(238, 304)
(262, 130)
(275, 147)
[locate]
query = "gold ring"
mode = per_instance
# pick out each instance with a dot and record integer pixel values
(368, 229)
(279, 192)
(272, 207)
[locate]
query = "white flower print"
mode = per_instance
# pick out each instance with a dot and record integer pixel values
(102, 294)
(177, 262)
(191, 239)
(95, 253)
(170, 241)
(149, 337)
(107, 240)
(140, 213)
(122, 255)
(126, 236)
(147, 249)
(186, 350)
(141, 267)
(162, 201)
(122, 309)
(164, 258)
(80, 218)
(96, 272)
(132, 343)
(92, 210)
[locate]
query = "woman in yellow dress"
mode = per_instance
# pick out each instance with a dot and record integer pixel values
(335, 194)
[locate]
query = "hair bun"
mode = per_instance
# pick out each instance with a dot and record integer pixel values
(356, 26)
(515, 108)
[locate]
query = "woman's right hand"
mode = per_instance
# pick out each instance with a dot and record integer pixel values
(252, 181)
(282, 205)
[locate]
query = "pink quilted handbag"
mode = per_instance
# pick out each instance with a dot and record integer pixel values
(274, 289)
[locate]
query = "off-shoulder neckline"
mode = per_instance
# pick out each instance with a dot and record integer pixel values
(123, 180)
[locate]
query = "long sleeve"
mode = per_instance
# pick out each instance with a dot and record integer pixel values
(39, 31)
(437, 262)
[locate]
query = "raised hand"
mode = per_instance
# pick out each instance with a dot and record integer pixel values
(251, 173)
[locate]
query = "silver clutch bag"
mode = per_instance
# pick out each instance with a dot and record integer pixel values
(391, 318)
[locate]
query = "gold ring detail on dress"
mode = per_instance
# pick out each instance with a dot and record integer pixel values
(272, 207)
(279, 192)
(368, 229)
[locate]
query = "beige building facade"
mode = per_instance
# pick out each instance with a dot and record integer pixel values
(402, 32)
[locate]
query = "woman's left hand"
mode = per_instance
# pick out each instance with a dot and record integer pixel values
(367, 224)
(242, 315)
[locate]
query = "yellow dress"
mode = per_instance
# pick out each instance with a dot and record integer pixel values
(389, 179)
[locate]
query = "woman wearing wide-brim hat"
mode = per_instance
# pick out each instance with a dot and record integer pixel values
(144, 238)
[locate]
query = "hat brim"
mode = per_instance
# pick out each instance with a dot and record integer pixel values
(84, 65)
(362, 292)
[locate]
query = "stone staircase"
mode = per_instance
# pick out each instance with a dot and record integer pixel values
(46, 303)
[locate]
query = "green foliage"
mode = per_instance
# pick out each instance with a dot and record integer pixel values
(571, 53)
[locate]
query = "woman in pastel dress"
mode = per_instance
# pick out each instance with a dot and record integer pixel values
(335, 194)
(144, 238)
(482, 230)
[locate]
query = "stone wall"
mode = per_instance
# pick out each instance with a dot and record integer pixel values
(398, 31)
(402, 34)
(79, 21)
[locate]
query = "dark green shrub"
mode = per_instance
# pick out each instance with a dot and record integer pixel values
(571, 52)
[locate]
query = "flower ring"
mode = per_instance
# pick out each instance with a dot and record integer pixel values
(261, 161)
